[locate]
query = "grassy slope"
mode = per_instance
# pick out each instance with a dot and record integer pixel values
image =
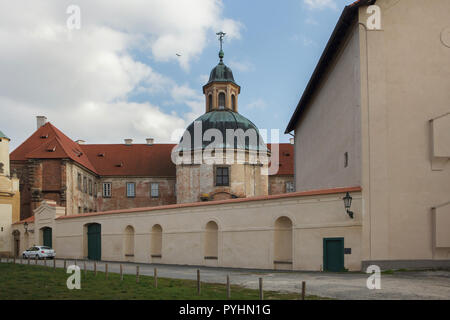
(38, 282)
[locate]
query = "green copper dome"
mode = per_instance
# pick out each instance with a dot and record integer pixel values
(223, 120)
(221, 72)
(2, 135)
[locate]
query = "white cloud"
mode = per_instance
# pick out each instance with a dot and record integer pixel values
(194, 99)
(82, 79)
(321, 4)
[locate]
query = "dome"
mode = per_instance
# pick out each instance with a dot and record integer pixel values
(223, 120)
(221, 72)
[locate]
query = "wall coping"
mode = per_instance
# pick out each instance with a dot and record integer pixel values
(219, 202)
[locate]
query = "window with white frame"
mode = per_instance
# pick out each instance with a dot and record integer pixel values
(107, 190)
(290, 186)
(154, 190)
(131, 189)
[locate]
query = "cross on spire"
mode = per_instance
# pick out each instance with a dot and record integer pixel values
(221, 34)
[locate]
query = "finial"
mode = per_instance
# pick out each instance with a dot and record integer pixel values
(221, 35)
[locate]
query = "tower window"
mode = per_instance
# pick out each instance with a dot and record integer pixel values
(221, 100)
(233, 102)
(210, 102)
(222, 176)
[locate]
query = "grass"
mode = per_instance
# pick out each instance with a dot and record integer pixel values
(33, 282)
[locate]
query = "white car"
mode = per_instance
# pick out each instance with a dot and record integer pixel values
(39, 252)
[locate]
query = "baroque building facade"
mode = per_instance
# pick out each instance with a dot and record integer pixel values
(86, 178)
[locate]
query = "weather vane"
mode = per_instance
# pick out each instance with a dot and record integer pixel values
(221, 34)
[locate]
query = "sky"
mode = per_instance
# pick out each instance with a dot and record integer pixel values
(119, 76)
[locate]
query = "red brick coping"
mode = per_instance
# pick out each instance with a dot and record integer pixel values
(209, 203)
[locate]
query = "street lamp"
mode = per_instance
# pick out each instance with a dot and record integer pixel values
(348, 203)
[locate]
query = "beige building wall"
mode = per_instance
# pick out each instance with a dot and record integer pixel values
(247, 179)
(328, 136)
(406, 83)
(75, 197)
(9, 201)
(247, 233)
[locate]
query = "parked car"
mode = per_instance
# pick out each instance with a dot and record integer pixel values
(39, 252)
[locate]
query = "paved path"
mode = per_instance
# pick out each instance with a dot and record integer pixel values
(400, 285)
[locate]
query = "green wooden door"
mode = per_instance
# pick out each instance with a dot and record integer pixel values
(333, 254)
(94, 242)
(47, 237)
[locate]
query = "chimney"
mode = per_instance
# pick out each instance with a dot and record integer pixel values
(128, 142)
(41, 121)
(291, 140)
(150, 141)
(80, 141)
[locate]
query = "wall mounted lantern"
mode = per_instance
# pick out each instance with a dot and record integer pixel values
(348, 203)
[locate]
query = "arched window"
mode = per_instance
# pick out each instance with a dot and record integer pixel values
(221, 100)
(129, 241)
(210, 102)
(233, 102)
(156, 241)
(211, 241)
(283, 240)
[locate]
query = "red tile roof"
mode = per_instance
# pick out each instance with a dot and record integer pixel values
(131, 160)
(48, 142)
(27, 220)
(209, 203)
(286, 158)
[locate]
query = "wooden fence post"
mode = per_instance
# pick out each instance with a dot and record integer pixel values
(35, 259)
(228, 287)
(106, 271)
(85, 270)
(303, 290)
(155, 276)
(121, 272)
(45, 261)
(198, 282)
(137, 274)
(14, 260)
(28, 258)
(65, 264)
(54, 263)
(95, 268)
(261, 293)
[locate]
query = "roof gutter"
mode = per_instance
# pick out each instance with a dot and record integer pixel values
(339, 33)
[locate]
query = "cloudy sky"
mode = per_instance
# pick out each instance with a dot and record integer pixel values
(119, 75)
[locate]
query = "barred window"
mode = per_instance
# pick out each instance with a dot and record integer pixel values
(222, 176)
(131, 189)
(84, 184)
(154, 192)
(290, 186)
(79, 181)
(90, 187)
(107, 190)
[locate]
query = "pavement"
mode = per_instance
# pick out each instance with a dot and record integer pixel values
(407, 285)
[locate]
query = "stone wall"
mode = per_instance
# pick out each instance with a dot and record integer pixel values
(248, 233)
